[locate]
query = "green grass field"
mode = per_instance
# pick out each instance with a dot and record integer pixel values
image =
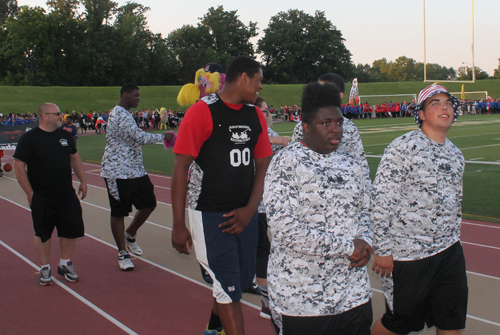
(82, 99)
(478, 136)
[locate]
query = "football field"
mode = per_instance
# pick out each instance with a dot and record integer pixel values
(477, 136)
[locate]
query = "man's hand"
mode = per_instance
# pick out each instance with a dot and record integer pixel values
(82, 190)
(169, 135)
(240, 219)
(30, 197)
(182, 240)
(361, 254)
(383, 265)
(279, 140)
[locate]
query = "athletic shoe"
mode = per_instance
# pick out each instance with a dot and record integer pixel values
(132, 245)
(265, 312)
(124, 261)
(68, 272)
(46, 276)
(218, 331)
(254, 289)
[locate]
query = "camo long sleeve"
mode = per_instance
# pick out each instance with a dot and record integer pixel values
(316, 205)
(417, 197)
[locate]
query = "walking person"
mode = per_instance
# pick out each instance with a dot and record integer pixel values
(43, 161)
(126, 178)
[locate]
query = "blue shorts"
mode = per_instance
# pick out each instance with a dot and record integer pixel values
(228, 258)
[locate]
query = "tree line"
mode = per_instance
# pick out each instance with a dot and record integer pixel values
(98, 43)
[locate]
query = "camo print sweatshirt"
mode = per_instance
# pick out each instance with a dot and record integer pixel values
(417, 196)
(122, 158)
(351, 143)
(316, 205)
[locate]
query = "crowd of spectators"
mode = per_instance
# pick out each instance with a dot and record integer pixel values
(289, 113)
(17, 119)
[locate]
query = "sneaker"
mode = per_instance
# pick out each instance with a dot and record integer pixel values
(68, 272)
(124, 261)
(254, 289)
(218, 331)
(265, 312)
(132, 245)
(46, 276)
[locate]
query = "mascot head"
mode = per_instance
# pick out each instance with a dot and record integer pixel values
(207, 81)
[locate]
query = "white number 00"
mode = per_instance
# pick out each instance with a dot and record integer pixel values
(238, 157)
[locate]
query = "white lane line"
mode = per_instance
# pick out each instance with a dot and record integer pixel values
(130, 216)
(482, 245)
(98, 174)
(73, 293)
(151, 174)
(480, 225)
(143, 259)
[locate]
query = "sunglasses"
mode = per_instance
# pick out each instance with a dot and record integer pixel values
(58, 113)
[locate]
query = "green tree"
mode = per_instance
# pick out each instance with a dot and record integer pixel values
(298, 47)
(465, 73)
(230, 36)
(98, 12)
(192, 47)
(496, 72)
(7, 8)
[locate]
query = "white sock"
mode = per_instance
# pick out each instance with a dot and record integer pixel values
(122, 253)
(129, 237)
(64, 262)
(45, 266)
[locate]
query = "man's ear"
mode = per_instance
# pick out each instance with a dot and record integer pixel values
(341, 95)
(306, 128)
(421, 114)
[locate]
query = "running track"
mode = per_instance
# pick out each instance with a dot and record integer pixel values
(165, 294)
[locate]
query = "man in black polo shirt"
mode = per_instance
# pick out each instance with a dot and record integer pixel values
(43, 161)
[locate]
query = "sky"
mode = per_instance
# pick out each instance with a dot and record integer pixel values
(372, 29)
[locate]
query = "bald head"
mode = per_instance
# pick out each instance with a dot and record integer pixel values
(48, 108)
(49, 116)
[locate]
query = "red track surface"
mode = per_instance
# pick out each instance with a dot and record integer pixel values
(148, 300)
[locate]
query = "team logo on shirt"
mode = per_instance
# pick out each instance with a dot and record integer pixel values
(239, 134)
(63, 142)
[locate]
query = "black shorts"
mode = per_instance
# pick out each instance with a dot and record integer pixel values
(63, 213)
(138, 192)
(356, 321)
(430, 291)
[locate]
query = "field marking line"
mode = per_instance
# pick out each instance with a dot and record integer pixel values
(481, 146)
(140, 258)
(467, 161)
(73, 293)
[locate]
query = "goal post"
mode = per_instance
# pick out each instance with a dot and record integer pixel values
(477, 95)
(378, 99)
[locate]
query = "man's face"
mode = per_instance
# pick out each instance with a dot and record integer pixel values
(251, 87)
(264, 108)
(133, 98)
(438, 112)
(68, 120)
(324, 133)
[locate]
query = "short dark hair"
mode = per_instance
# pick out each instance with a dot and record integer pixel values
(240, 65)
(316, 96)
(259, 102)
(127, 88)
(334, 79)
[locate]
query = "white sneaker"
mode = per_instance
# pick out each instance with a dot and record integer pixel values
(132, 244)
(124, 261)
